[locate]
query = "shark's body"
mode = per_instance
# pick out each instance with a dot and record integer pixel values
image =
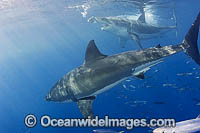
(188, 126)
(127, 27)
(101, 72)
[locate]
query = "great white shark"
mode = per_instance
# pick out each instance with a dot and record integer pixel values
(101, 72)
(126, 27)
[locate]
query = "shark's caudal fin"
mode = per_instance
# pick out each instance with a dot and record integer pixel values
(190, 41)
(142, 18)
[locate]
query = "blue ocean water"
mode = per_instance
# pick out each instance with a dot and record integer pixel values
(42, 40)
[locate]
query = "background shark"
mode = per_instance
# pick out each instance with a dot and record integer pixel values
(127, 27)
(100, 72)
(188, 126)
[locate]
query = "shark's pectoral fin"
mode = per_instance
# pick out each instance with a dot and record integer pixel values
(85, 106)
(140, 75)
(122, 42)
(138, 42)
(137, 39)
(140, 70)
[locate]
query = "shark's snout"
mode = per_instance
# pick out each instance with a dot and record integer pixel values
(48, 97)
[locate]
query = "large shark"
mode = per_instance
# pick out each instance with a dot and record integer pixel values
(128, 27)
(101, 72)
(188, 126)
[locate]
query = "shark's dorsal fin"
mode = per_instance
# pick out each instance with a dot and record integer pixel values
(158, 46)
(198, 117)
(93, 53)
(85, 106)
(141, 18)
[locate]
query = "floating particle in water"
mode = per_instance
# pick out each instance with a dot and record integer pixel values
(184, 74)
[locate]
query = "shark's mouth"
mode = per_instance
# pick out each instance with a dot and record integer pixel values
(105, 27)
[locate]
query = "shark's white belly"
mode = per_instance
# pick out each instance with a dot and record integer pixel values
(108, 87)
(119, 31)
(145, 67)
(141, 69)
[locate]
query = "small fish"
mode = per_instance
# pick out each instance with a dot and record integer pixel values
(132, 86)
(140, 102)
(159, 102)
(181, 89)
(124, 86)
(148, 86)
(156, 71)
(194, 68)
(133, 105)
(187, 62)
(126, 102)
(188, 126)
(128, 80)
(198, 104)
(184, 74)
(169, 85)
(106, 131)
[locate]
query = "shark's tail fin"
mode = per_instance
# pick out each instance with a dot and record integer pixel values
(189, 43)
